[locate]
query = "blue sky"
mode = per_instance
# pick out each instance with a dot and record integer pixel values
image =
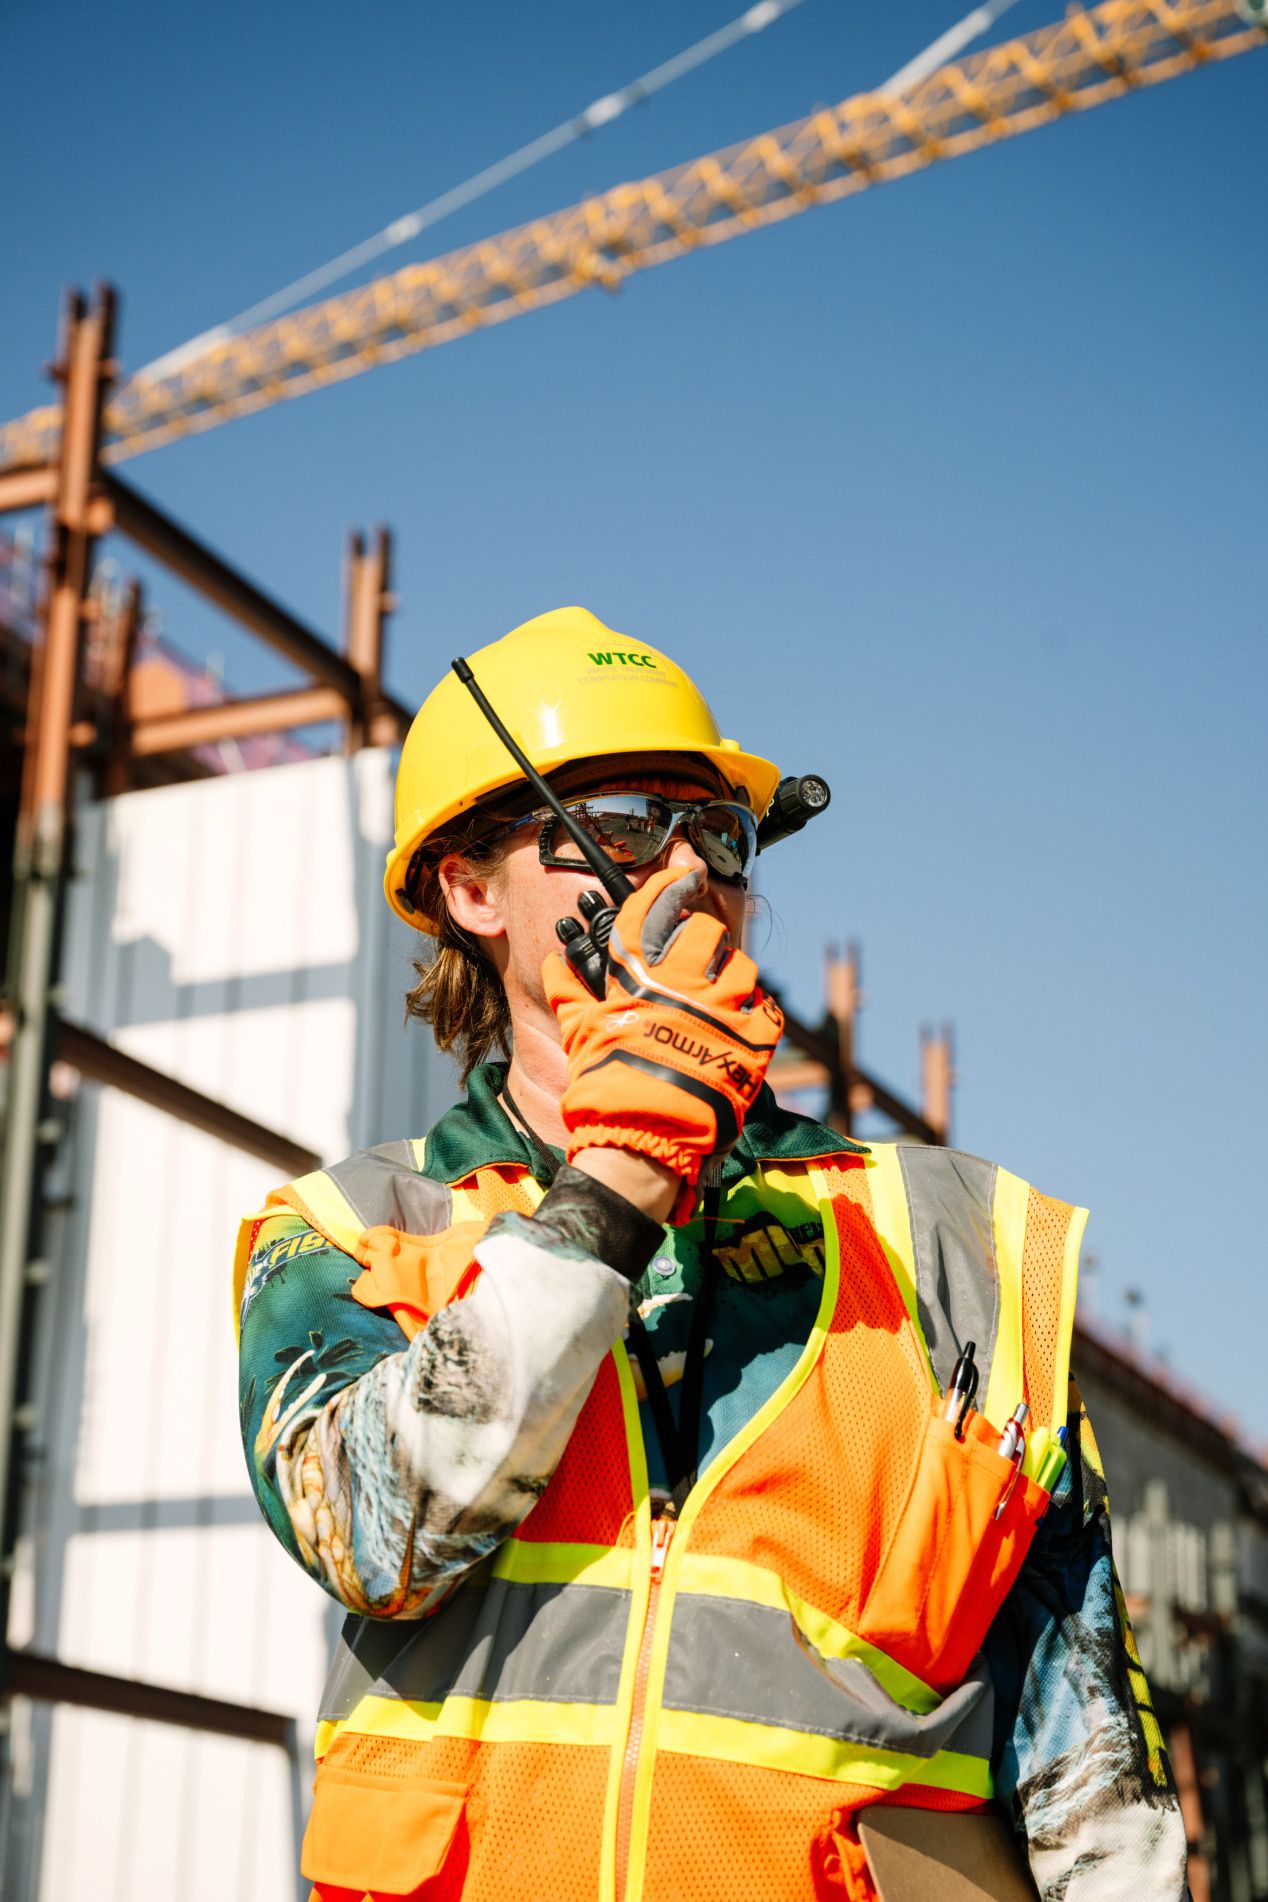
(953, 492)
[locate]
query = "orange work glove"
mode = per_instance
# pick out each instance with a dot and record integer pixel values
(668, 1063)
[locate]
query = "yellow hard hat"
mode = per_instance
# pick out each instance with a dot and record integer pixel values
(569, 689)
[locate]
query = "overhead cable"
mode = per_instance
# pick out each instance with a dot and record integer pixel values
(946, 46)
(599, 113)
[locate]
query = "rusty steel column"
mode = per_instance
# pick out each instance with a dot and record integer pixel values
(118, 691)
(937, 1073)
(841, 982)
(368, 598)
(84, 369)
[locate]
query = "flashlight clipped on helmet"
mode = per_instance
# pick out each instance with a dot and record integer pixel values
(798, 799)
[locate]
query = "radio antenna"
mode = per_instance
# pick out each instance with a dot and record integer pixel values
(610, 876)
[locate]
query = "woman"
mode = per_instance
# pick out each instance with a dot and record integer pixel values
(695, 1478)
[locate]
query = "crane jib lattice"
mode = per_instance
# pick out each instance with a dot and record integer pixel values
(1085, 60)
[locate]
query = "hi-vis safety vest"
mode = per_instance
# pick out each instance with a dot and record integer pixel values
(613, 1707)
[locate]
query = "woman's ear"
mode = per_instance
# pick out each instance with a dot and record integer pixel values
(470, 895)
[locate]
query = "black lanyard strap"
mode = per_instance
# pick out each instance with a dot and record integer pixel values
(680, 1440)
(547, 1166)
(657, 1398)
(691, 1400)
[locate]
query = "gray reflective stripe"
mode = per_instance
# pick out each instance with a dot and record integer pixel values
(383, 1186)
(950, 1200)
(728, 1658)
(554, 1643)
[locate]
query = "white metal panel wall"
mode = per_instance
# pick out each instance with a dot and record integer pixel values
(231, 932)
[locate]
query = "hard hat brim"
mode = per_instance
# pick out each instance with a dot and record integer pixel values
(746, 773)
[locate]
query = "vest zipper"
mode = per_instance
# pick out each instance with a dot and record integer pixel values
(662, 1533)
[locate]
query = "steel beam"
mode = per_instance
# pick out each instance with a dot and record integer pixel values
(369, 602)
(791, 1074)
(235, 720)
(84, 369)
(27, 488)
(213, 577)
(49, 1681)
(102, 1062)
(184, 555)
(823, 1046)
(901, 1113)
(118, 776)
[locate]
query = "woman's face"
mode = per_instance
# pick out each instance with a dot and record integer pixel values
(515, 907)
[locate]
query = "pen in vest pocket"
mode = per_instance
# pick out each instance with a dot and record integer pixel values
(960, 1395)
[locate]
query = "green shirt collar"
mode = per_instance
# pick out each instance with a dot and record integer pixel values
(479, 1134)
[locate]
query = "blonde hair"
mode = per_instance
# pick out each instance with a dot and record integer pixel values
(459, 994)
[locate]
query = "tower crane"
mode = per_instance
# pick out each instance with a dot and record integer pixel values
(1082, 61)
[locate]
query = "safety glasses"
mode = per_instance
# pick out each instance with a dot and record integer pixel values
(634, 828)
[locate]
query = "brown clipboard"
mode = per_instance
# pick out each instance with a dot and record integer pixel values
(936, 1856)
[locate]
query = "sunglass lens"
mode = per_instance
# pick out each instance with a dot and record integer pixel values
(725, 841)
(633, 829)
(629, 829)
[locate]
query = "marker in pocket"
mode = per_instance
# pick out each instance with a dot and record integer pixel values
(960, 1395)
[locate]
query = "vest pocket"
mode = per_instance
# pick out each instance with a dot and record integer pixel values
(950, 1561)
(379, 1836)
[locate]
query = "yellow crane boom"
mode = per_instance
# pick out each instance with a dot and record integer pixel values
(1084, 60)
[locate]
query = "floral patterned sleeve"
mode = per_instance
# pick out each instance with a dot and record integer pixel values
(390, 1470)
(1080, 1763)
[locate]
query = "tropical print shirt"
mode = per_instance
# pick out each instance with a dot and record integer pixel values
(331, 1405)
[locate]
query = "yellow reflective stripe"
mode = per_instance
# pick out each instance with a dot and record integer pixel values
(524, 1562)
(523, 1720)
(891, 1218)
(654, 1715)
(332, 1214)
(705, 1575)
(640, 1594)
(790, 1182)
(792, 1382)
(330, 1209)
(1065, 1329)
(733, 1740)
(1005, 1388)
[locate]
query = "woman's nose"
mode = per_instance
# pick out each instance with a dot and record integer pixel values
(682, 855)
(682, 852)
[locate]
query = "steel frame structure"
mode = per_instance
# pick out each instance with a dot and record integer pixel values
(1085, 60)
(84, 502)
(67, 720)
(828, 1061)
